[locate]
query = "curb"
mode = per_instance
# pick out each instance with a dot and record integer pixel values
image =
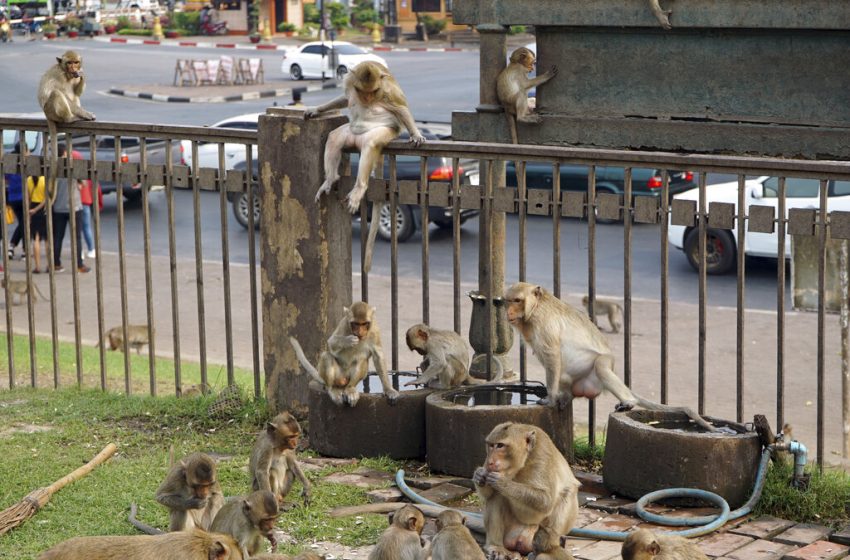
(248, 96)
(261, 47)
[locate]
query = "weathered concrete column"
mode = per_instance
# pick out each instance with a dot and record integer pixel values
(306, 249)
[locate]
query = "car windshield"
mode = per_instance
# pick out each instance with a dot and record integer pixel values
(10, 138)
(348, 49)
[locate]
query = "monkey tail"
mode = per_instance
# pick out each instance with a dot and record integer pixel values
(143, 527)
(299, 353)
(649, 405)
(512, 127)
(50, 184)
(662, 15)
(373, 233)
(41, 295)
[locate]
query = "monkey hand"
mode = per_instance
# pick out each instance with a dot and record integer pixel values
(311, 113)
(493, 478)
(417, 139)
(501, 553)
(392, 395)
(414, 382)
(305, 495)
(479, 477)
(553, 71)
(196, 503)
(352, 340)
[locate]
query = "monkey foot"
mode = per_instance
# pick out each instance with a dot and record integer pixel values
(624, 407)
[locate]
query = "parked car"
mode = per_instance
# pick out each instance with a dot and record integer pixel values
(722, 244)
(312, 59)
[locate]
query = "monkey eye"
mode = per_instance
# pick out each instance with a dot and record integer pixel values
(500, 445)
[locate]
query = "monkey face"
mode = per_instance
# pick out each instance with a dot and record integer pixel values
(71, 64)
(292, 441)
(267, 525)
(360, 328)
(201, 491)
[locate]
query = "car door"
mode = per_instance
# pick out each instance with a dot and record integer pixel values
(799, 193)
(311, 60)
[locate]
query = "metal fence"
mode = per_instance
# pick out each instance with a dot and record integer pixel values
(493, 199)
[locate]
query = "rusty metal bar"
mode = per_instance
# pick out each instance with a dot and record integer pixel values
(364, 235)
(199, 265)
(821, 342)
(782, 222)
(591, 283)
(394, 266)
(487, 211)
(703, 231)
(522, 207)
(29, 244)
(71, 228)
(98, 272)
(252, 269)
(627, 276)
(225, 262)
(172, 265)
(456, 243)
(665, 286)
(146, 227)
(742, 273)
(10, 334)
(122, 264)
(556, 229)
(424, 199)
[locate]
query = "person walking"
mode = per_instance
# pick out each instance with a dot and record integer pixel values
(62, 208)
(15, 200)
(87, 201)
(37, 218)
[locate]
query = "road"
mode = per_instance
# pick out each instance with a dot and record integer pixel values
(436, 84)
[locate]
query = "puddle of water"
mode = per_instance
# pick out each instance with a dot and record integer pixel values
(503, 395)
(372, 383)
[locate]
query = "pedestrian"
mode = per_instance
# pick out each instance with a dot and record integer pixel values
(87, 201)
(296, 98)
(38, 218)
(62, 208)
(15, 200)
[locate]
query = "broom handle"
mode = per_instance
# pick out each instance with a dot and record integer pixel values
(107, 452)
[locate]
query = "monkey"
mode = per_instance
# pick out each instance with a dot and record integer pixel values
(512, 87)
(524, 483)
(446, 357)
(662, 15)
(453, 540)
(643, 544)
(21, 288)
(249, 520)
(143, 527)
(196, 390)
(191, 492)
(547, 546)
(194, 544)
(607, 307)
(345, 363)
(137, 336)
(59, 93)
(572, 350)
(273, 465)
(377, 111)
(401, 540)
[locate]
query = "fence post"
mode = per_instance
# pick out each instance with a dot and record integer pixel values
(306, 249)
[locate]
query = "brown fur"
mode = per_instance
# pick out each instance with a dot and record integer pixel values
(345, 363)
(401, 540)
(643, 544)
(525, 482)
(273, 464)
(606, 307)
(186, 545)
(512, 87)
(547, 546)
(453, 540)
(446, 357)
(191, 492)
(137, 336)
(21, 288)
(662, 15)
(302, 556)
(574, 353)
(249, 520)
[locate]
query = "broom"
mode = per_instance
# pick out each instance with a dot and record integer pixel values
(14, 515)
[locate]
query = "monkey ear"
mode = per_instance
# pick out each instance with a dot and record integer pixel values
(246, 506)
(654, 548)
(530, 440)
(463, 520)
(538, 291)
(422, 334)
(218, 550)
(345, 309)
(411, 523)
(59, 59)
(270, 428)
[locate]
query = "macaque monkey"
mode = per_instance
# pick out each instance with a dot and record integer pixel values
(607, 307)
(512, 87)
(453, 540)
(273, 464)
(191, 492)
(346, 361)
(525, 483)
(185, 545)
(59, 93)
(377, 111)
(643, 544)
(547, 546)
(662, 15)
(401, 540)
(249, 520)
(574, 353)
(446, 357)
(19, 290)
(137, 336)
(196, 390)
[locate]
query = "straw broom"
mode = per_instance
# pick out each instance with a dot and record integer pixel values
(14, 515)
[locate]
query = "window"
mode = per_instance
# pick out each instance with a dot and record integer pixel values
(312, 49)
(794, 188)
(10, 138)
(840, 188)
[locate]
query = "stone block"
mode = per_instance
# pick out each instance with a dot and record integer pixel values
(804, 534)
(721, 544)
(445, 493)
(384, 495)
(609, 505)
(362, 478)
(842, 536)
(820, 550)
(427, 482)
(601, 550)
(616, 522)
(765, 527)
(761, 550)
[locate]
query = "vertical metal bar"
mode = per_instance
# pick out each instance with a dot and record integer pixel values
(146, 228)
(29, 247)
(98, 272)
(665, 284)
(394, 267)
(782, 221)
(10, 333)
(122, 264)
(199, 264)
(487, 210)
(703, 230)
(423, 206)
(75, 258)
(821, 343)
(456, 243)
(225, 261)
(172, 264)
(742, 239)
(522, 202)
(627, 277)
(591, 283)
(252, 270)
(364, 236)
(556, 229)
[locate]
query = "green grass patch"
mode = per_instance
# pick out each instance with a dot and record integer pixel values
(825, 501)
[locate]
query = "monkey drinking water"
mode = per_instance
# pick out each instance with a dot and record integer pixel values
(512, 87)
(345, 363)
(377, 111)
(446, 357)
(575, 355)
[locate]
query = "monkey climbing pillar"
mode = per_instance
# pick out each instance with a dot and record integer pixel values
(306, 249)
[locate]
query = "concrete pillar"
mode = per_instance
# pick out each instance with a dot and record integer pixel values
(305, 249)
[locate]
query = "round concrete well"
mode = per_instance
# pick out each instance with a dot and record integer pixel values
(457, 422)
(374, 427)
(649, 450)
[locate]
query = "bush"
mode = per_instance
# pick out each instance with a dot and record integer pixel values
(131, 31)
(123, 22)
(286, 26)
(364, 13)
(312, 14)
(339, 15)
(190, 21)
(516, 29)
(433, 26)
(309, 30)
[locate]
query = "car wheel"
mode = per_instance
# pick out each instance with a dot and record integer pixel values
(295, 72)
(403, 223)
(341, 72)
(131, 194)
(240, 210)
(720, 250)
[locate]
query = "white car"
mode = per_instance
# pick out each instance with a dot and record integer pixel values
(307, 61)
(722, 244)
(233, 153)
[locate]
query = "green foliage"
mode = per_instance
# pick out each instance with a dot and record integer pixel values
(364, 13)
(286, 26)
(48, 28)
(826, 499)
(312, 14)
(72, 22)
(339, 14)
(309, 30)
(190, 21)
(433, 26)
(123, 22)
(132, 31)
(516, 29)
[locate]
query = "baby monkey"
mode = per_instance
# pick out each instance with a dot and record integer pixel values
(512, 87)
(606, 307)
(249, 520)
(137, 336)
(547, 546)
(453, 539)
(401, 540)
(643, 544)
(446, 363)
(19, 290)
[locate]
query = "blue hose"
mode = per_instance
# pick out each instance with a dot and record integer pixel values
(702, 525)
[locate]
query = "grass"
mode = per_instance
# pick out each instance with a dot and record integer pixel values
(826, 500)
